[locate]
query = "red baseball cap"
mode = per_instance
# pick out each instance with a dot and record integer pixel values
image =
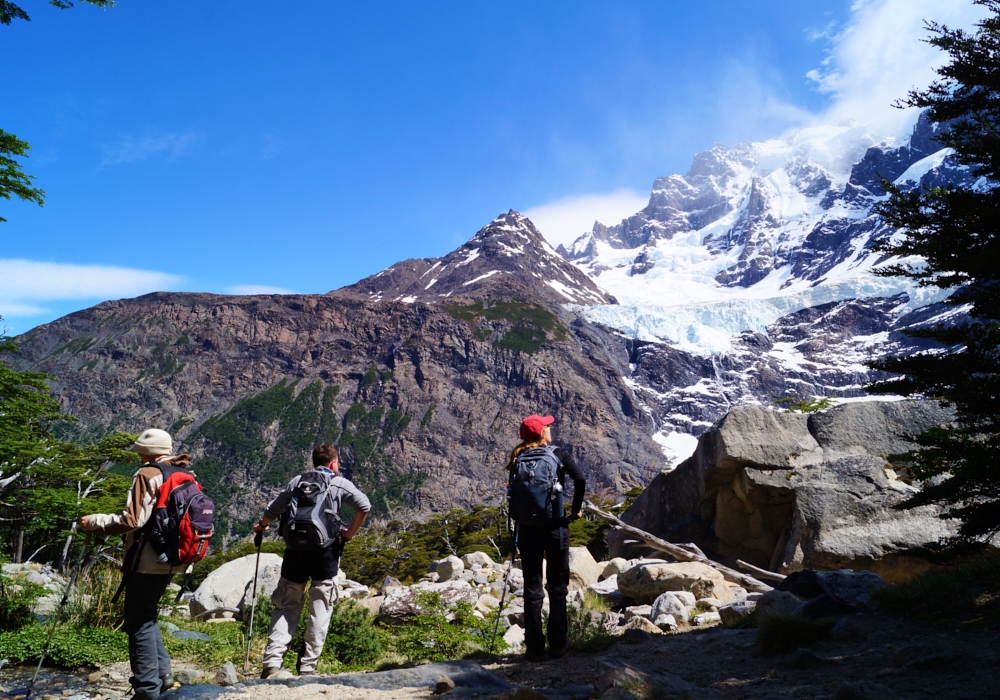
(532, 426)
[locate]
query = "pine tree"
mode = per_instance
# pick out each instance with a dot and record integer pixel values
(955, 232)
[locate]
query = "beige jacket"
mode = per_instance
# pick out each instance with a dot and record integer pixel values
(138, 510)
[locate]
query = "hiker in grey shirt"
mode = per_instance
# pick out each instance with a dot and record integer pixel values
(300, 565)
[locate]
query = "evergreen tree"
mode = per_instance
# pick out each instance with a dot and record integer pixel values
(955, 231)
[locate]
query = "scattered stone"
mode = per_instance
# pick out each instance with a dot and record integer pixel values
(638, 610)
(173, 587)
(226, 675)
(95, 676)
(487, 604)
(802, 659)
(481, 559)
(283, 674)
(583, 569)
(845, 629)
(190, 634)
(634, 636)
(613, 568)
(387, 583)
(443, 685)
(778, 602)
(734, 611)
(705, 618)
(617, 673)
(666, 622)
(401, 602)
(167, 626)
(514, 638)
(641, 623)
(231, 585)
(189, 676)
(449, 567)
(710, 604)
(669, 604)
(645, 582)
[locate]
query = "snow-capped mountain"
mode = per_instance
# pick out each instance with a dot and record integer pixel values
(750, 277)
(508, 252)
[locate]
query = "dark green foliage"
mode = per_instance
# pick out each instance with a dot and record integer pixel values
(954, 230)
(163, 364)
(585, 629)
(329, 422)
(371, 376)
(430, 636)
(592, 532)
(299, 427)
(183, 340)
(16, 601)
(71, 646)
(13, 181)
(404, 550)
(793, 405)
(780, 633)
(969, 587)
(515, 325)
(353, 638)
(428, 416)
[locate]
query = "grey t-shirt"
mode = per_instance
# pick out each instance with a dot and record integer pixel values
(341, 491)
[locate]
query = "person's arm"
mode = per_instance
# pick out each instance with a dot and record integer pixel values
(579, 480)
(359, 502)
(276, 507)
(138, 507)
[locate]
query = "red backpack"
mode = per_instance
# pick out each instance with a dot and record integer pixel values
(182, 520)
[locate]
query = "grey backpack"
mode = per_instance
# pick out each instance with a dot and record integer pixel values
(311, 522)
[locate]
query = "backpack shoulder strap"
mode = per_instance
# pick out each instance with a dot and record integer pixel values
(172, 477)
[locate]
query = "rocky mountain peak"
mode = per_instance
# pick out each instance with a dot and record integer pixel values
(508, 257)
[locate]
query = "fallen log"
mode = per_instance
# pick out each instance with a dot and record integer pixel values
(681, 552)
(763, 573)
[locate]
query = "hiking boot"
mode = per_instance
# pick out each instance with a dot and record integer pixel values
(166, 682)
(559, 653)
(269, 671)
(534, 657)
(307, 673)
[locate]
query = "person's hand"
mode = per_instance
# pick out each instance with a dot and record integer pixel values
(83, 521)
(259, 528)
(345, 535)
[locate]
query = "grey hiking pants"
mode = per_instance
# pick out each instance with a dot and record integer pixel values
(146, 653)
(287, 599)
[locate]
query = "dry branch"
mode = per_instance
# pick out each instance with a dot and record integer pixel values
(763, 573)
(681, 552)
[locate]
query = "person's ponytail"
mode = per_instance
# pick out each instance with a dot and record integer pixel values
(526, 445)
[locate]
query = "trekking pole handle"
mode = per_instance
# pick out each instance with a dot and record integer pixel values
(258, 539)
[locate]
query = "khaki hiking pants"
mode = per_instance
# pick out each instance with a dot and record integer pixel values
(287, 600)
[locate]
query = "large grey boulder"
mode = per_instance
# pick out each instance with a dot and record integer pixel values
(448, 568)
(402, 602)
(583, 568)
(669, 604)
(788, 491)
(231, 585)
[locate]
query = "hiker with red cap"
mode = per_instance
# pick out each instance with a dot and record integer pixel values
(536, 473)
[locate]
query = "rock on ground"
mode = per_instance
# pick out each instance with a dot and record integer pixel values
(231, 585)
(645, 582)
(402, 602)
(583, 568)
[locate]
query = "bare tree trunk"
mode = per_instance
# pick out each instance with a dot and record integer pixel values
(20, 546)
(64, 559)
(682, 552)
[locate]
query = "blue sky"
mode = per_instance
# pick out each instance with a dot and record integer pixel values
(228, 146)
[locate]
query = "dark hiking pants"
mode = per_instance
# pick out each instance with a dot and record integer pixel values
(146, 653)
(552, 543)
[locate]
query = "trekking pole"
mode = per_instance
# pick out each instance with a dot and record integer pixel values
(258, 541)
(58, 613)
(503, 594)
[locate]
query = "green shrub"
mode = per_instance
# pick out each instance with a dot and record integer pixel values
(353, 639)
(431, 636)
(90, 605)
(779, 633)
(17, 599)
(71, 646)
(585, 629)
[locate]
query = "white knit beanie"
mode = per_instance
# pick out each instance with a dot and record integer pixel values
(153, 442)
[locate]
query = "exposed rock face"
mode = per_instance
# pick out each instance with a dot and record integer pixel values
(402, 601)
(423, 400)
(509, 250)
(788, 491)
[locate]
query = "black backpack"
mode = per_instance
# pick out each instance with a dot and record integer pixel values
(311, 523)
(535, 487)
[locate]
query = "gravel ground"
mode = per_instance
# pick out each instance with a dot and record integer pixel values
(326, 692)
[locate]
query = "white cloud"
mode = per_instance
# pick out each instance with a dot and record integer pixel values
(880, 55)
(24, 283)
(256, 289)
(128, 148)
(563, 220)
